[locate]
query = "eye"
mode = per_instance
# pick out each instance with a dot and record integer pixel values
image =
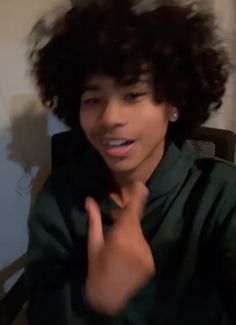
(134, 96)
(91, 101)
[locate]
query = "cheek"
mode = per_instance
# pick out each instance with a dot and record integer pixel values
(155, 122)
(86, 121)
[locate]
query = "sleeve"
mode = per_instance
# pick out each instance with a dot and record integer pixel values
(55, 272)
(227, 259)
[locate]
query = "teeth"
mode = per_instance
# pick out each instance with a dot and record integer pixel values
(114, 143)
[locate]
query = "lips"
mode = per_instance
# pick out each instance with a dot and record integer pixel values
(118, 147)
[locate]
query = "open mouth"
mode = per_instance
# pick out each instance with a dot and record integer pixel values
(118, 148)
(117, 143)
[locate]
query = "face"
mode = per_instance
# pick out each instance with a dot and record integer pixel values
(123, 123)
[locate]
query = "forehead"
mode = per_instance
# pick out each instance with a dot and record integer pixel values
(97, 82)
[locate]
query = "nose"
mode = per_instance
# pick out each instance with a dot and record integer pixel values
(113, 113)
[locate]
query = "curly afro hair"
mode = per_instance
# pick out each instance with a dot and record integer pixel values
(188, 62)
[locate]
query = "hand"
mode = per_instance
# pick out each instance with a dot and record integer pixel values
(122, 263)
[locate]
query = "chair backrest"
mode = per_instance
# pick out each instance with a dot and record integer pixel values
(60, 148)
(210, 142)
(64, 147)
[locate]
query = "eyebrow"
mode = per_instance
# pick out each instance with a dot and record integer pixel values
(96, 87)
(91, 87)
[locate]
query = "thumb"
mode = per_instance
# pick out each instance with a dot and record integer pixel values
(139, 194)
(95, 233)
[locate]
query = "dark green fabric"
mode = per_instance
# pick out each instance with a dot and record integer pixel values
(189, 222)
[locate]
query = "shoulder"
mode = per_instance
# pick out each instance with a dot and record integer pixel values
(218, 186)
(59, 207)
(47, 206)
(218, 170)
(61, 189)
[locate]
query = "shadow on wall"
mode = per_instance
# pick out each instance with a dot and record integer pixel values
(29, 147)
(30, 143)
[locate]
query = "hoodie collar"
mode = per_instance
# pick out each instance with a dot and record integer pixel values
(172, 169)
(170, 173)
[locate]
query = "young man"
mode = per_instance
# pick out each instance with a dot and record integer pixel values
(133, 231)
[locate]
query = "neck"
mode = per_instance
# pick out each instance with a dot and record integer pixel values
(142, 173)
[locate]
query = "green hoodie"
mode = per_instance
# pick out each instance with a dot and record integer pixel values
(189, 222)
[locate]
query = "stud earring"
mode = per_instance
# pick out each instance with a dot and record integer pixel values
(174, 115)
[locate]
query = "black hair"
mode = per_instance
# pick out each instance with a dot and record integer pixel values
(187, 59)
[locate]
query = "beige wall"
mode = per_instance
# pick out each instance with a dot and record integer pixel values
(24, 129)
(226, 13)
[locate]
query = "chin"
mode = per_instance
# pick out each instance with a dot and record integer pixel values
(121, 166)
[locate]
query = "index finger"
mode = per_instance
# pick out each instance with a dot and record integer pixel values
(139, 195)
